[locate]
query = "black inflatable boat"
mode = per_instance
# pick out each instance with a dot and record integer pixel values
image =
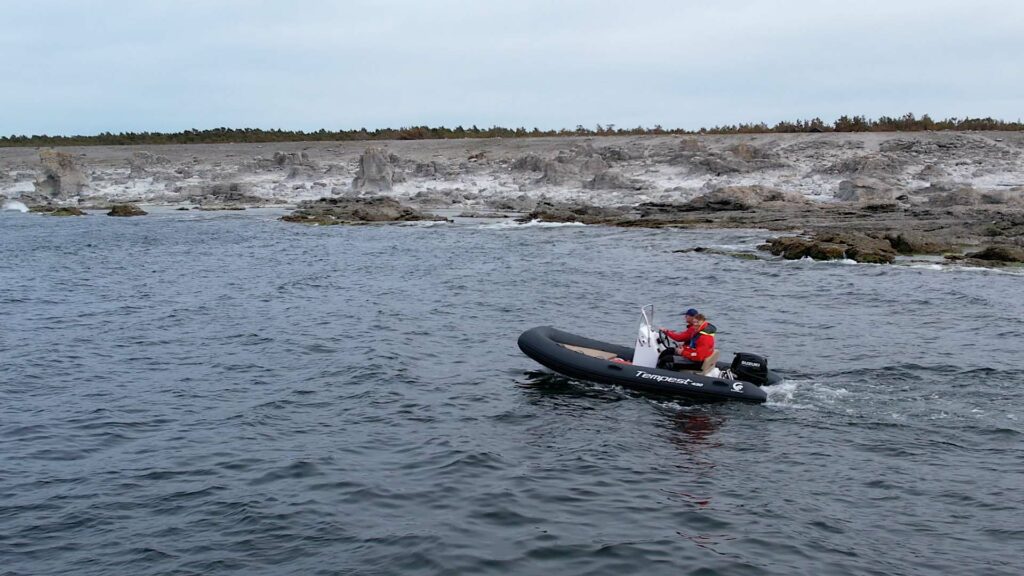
(588, 359)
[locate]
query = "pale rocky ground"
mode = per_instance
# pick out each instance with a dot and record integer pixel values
(920, 168)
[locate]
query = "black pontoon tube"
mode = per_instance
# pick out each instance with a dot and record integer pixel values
(589, 359)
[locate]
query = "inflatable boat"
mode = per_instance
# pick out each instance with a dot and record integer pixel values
(648, 366)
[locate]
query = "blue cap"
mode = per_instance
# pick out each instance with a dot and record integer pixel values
(690, 312)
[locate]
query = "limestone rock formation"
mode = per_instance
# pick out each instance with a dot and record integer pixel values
(226, 195)
(557, 173)
(947, 195)
(740, 198)
(865, 190)
(298, 165)
(142, 164)
(432, 169)
(375, 173)
(614, 154)
(736, 159)
(593, 165)
(520, 203)
(879, 166)
(61, 178)
(613, 180)
(530, 162)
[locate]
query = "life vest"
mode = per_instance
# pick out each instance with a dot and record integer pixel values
(708, 329)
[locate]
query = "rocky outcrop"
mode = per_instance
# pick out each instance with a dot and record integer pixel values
(833, 246)
(593, 165)
(548, 211)
(879, 166)
(737, 159)
(1008, 254)
(870, 247)
(991, 256)
(331, 211)
(436, 198)
(143, 164)
(530, 163)
(866, 190)
(66, 211)
(719, 252)
(61, 178)
(932, 173)
(298, 165)
(912, 242)
(1004, 224)
(615, 154)
(125, 210)
(520, 203)
(718, 164)
(613, 180)
(740, 198)
(557, 173)
(232, 195)
(375, 173)
(948, 195)
(432, 169)
(491, 215)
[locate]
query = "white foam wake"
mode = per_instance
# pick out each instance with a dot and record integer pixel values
(15, 205)
(512, 224)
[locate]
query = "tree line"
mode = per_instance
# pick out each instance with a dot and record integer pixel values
(905, 123)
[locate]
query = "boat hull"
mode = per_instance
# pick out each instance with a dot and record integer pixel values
(577, 357)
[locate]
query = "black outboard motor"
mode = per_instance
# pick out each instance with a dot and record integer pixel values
(750, 368)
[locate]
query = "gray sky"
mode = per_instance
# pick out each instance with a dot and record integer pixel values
(82, 67)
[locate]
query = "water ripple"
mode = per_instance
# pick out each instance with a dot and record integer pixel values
(214, 394)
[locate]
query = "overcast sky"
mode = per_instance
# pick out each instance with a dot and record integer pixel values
(82, 67)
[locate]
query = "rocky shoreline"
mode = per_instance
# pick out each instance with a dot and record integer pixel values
(867, 196)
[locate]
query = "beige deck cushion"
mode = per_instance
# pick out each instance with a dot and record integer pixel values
(592, 352)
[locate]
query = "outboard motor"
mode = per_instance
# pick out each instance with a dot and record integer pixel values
(750, 368)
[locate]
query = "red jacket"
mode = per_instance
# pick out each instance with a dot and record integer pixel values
(698, 341)
(684, 336)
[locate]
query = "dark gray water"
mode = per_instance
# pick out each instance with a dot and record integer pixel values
(224, 393)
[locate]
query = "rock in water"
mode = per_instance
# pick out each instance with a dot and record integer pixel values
(1006, 254)
(375, 174)
(547, 211)
(60, 179)
(126, 210)
(328, 211)
(834, 246)
(67, 211)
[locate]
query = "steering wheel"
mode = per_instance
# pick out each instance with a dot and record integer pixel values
(663, 340)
